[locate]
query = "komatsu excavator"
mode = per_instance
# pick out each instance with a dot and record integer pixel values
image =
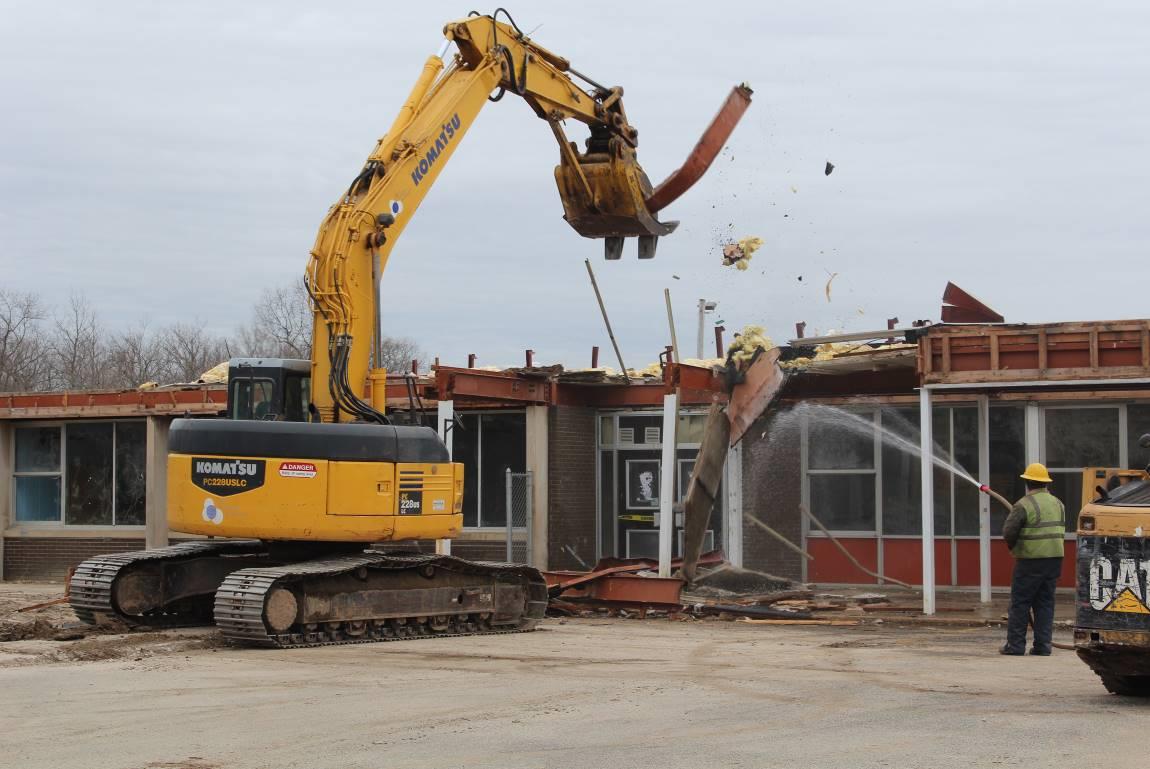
(308, 471)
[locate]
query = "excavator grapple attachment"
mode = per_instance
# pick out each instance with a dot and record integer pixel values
(607, 195)
(604, 197)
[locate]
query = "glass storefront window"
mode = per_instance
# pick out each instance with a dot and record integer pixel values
(488, 445)
(80, 474)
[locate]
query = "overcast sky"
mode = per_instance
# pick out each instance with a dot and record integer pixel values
(171, 160)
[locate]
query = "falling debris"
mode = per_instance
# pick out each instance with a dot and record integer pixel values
(739, 253)
(800, 279)
(830, 167)
(746, 342)
(794, 189)
(676, 277)
(829, 281)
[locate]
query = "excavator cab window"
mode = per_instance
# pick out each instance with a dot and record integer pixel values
(252, 399)
(297, 394)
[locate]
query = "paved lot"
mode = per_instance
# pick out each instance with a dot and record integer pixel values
(578, 693)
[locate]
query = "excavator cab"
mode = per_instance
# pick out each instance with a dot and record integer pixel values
(269, 389)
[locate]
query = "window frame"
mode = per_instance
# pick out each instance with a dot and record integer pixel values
(479, 414)
(60, 524)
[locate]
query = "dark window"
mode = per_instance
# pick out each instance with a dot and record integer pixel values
(967, 498)
(88, 496)
(252, 398)
(131, 484)
(902, 473)
(1007, 459)
(1077, 438)
(296, 396)
(504, 447)
(844, 502)
(101, 481)
(465, 449)
(37, 449)
(487, 445)
(845, 443)
(1137, 425)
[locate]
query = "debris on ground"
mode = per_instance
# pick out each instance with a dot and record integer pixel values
(739, 253)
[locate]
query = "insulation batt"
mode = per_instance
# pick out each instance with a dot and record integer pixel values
(739, 253)
(746, 342)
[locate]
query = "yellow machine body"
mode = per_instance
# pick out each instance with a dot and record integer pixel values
(1112, 618)
(313, 499)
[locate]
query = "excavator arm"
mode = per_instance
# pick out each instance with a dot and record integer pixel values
(603, 189)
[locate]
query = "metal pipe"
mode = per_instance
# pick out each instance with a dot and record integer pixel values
(471, 360)
(719, 351)
(857, 336)
(530, 358)
(595, 357)
(671, 323)
(607, 321)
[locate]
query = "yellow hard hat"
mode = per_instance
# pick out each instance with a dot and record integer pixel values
(1037, 472)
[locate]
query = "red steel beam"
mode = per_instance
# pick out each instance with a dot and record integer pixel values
(452, 383)
(705, 151)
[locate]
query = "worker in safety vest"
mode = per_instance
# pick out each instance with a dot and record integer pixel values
(1034, 531)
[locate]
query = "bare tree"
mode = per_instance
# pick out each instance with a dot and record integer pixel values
(79, 355)
(398, 352)
(188, 351)
(135, 356)
(23, 353)
(284, 315)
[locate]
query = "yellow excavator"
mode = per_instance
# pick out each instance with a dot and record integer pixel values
(308, 471)
(1112, 618)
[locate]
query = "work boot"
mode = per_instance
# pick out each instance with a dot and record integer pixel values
(1040, 651)
(1011, 652)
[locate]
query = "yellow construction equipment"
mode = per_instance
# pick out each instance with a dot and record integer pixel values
(1112, 621)
(308, 471)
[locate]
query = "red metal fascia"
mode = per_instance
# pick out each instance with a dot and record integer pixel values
(452, 383)
(128, 402)
(689, 377)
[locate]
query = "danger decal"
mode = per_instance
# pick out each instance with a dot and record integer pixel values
(297, 470)
(224, 477)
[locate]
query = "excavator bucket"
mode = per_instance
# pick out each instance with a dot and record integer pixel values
(609, 196)
(605, 197)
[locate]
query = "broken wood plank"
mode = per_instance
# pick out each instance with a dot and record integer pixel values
(832, 622)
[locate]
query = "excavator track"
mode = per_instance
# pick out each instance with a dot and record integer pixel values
(374, 596)
(134, 588)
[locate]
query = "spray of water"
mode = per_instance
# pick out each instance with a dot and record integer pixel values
(903, 437)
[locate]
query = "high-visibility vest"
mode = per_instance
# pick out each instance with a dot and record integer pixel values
(1044, 532)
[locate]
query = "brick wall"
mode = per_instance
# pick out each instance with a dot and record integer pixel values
(772, 490)
(571, 485)
(49, 558)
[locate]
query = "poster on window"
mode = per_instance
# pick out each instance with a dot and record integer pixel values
(686, 466)
(642, 484)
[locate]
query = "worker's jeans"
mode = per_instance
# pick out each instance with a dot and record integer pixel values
(1032, 588)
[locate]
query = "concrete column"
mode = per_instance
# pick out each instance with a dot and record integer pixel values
(445, 421)
(926, 445)
(7, 466)
(667, 484)
(156, 474)
(984, 499)
(734, 546)
(537, 461)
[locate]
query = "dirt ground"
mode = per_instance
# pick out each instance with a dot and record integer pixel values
(576, 693)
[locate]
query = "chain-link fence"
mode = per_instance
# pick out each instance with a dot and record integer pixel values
(519, 517)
